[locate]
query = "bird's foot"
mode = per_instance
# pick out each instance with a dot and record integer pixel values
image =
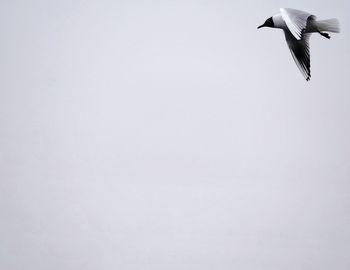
(325, 35)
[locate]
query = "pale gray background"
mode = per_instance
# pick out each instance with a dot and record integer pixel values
(171, 135)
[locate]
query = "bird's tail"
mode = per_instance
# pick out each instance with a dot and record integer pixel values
(331, 25)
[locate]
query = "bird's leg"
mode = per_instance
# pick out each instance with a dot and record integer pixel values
(324, 35)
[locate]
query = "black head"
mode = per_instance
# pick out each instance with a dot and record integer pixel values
(268, 23)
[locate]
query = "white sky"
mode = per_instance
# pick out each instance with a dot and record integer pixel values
(171, 135)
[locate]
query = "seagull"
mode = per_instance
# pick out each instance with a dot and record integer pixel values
(297, 26)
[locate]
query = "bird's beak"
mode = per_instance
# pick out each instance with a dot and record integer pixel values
(263, 25)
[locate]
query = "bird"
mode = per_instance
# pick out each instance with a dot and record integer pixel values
(298, 26)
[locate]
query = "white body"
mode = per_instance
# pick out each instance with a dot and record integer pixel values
(313, 26)
(279, 22)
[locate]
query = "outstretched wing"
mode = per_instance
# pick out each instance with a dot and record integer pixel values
(300, 51)
(296, 20)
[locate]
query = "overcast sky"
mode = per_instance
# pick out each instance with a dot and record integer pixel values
(171, 135)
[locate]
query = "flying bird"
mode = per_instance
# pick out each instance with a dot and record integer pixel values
(297, 26)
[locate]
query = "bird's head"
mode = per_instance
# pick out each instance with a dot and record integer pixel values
(267, 23)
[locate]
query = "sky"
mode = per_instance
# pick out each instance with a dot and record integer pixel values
(171, 135)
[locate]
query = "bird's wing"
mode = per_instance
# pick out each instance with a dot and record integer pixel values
(300, 52)
(296, 20)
